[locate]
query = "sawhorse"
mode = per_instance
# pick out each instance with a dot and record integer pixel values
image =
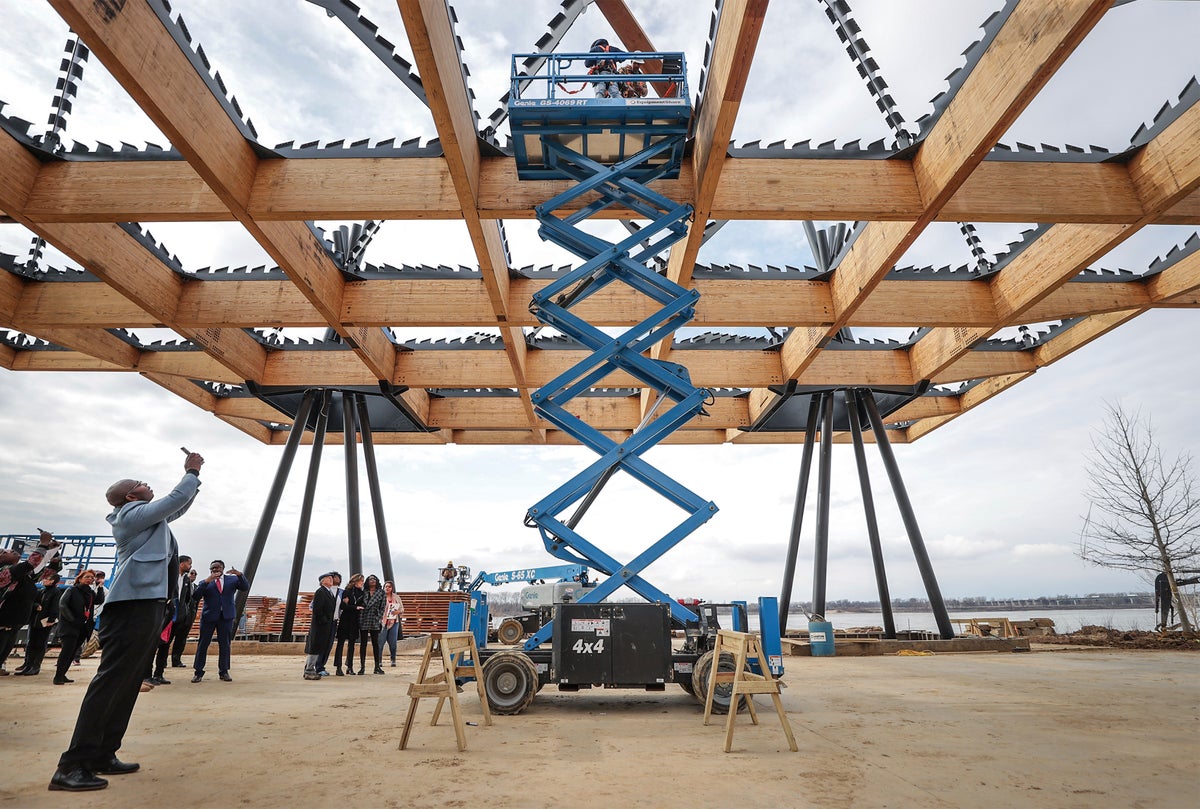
(744, 646)
(452, 648)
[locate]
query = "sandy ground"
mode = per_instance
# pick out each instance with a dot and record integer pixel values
(1071, 728)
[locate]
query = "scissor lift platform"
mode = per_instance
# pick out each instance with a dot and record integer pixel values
(555, 103)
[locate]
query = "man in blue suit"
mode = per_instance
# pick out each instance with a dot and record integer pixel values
(144, 581)
(218, 594)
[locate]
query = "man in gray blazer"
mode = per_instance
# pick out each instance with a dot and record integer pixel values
(145, 579)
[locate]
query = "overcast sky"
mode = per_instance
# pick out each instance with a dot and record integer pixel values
(998, 492)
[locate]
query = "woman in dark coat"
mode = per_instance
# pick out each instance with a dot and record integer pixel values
(76, 619)
(349, 621)
(43, 619)
(371, 621)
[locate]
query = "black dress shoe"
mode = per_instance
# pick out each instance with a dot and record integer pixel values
(76, 779)
(64, 681)
(225, 677)
(159, 681)
(114, 766)
(178, 665)
(197, 678)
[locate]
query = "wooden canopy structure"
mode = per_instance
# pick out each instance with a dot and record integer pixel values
(761, 328)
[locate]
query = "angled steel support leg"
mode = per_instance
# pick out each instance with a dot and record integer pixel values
(824, 485)
(310, 492)
(789, 567)
(864, 482)
(353, 518)
(368, 445)
(910, 520)
(254, 555)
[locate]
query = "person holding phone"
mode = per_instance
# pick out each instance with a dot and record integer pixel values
(143, 582)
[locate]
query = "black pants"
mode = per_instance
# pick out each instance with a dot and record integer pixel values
(158, 660)
(337, 657)
(72, 639)
(8, 639)
(35, 647)
(366, 636)
(224, 629)
(324, 656)
(179, 636)
(127, 635)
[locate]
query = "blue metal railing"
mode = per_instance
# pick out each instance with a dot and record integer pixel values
(553, 80)
(79, 551)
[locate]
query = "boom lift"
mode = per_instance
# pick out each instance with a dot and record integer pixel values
(537, 599)
(611, 149)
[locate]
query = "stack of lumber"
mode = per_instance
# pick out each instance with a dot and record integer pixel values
(1034, 627)
(426, 611)
(273, 621)
(1004, 627)
(257, 612)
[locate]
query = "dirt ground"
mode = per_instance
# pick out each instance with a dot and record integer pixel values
(1124, 639)
(1065, 727)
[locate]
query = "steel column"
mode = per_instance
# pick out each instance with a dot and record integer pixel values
(789, 567)
(310, 491)
(368, 444)
(254, 555)
(910, 521)
(353, 518)
(824, 485)
(864, 482)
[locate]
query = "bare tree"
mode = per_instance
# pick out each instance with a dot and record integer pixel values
(1149, 510)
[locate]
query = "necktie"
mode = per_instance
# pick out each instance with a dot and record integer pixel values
(220, 584)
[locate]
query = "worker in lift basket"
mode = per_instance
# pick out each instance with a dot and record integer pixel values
(604, 89)
(448, 574)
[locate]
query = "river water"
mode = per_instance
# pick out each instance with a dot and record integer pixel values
(1064, 620)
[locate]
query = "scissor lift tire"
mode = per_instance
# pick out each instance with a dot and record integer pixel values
(700, 675)
(510, 680)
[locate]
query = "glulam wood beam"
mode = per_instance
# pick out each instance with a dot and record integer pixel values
(736, 38)
(1033, 43)
(456, 303)
(135, 47)
(633, 37)
(432, 38)
(415, 188)
(1165, 171)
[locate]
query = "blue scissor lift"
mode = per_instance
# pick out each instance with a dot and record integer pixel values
(611, 149)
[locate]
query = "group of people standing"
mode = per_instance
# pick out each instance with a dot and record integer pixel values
(71, 611)
(365, 612)
(74, 611)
